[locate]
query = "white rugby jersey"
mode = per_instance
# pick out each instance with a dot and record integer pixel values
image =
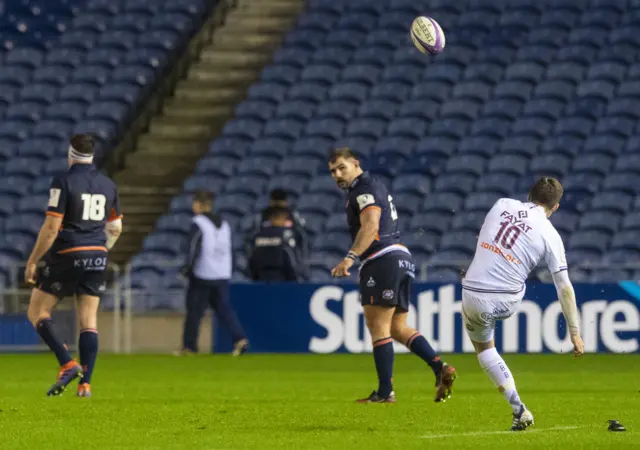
(514, 237)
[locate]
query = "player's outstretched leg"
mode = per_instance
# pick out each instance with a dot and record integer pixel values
(445, 373)
(88, 341)
(378, 320)
(39, 314)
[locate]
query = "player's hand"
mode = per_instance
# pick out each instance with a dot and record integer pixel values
(30, 273)
(578, 345)
(342, 269)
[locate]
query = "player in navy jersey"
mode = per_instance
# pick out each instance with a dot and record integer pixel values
(83, 221)
(386, 275)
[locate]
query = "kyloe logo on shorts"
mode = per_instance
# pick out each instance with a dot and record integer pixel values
(56, 286)
(371, 282)
(387, 294)
(91, 263)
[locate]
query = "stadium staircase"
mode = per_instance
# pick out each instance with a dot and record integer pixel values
(202, 103)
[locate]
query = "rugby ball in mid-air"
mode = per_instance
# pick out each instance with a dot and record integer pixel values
(427, 35)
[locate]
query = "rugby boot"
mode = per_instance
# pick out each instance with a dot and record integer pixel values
(522, 420)
(69, 372)
(375, 398)
(240, 347)
(84, 390)
(444, 382)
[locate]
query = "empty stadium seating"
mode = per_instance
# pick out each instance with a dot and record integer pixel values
(523, 89)
(74, 66)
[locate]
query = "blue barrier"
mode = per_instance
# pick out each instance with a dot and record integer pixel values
(288, 318)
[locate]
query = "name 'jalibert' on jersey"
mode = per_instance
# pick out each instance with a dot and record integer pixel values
(367, 192)
(514, 238)
(86, 200)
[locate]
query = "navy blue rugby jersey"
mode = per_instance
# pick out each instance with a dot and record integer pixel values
(86, 200)
(368, 192)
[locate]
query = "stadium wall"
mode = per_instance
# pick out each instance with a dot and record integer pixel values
(329, 319)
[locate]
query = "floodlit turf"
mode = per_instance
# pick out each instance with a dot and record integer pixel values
(306, 402)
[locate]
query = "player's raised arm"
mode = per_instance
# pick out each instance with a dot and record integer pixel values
(50, 227)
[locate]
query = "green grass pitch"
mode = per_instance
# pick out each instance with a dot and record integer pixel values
(306, 402)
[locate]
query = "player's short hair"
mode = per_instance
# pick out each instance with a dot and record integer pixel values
(277, 212)
(204, 198)
(342, 152)
(546, 192)
(82, 143)
(278, 195)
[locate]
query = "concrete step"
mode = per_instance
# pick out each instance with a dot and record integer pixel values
(259, 23)
(272, 9)
(235, 59)
(168, 178)
(215, 96)
(173, 127)
(198, 113)
(227, 77)
(237, 84)
(170, 147)
(246, 41)
(135, 200)
(148, 190)
(133, 219)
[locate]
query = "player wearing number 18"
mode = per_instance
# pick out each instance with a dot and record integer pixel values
(83, 221)
(386, 275)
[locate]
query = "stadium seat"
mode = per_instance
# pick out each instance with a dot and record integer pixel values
(480, 202)
(601, 221)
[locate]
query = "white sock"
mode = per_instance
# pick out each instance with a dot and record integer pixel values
(495, 367)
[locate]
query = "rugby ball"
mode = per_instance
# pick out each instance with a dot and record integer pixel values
(427, 35)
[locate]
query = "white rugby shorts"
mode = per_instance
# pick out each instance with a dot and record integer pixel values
(480, 310)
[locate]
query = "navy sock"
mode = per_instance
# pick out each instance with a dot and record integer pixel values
(419, 345)
(383, 356)
(44, 327)
(88, 347)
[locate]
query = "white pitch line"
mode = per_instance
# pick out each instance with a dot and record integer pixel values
(488, 433)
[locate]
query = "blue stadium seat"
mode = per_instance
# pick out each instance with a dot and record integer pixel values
(407, 127)
(426, 109)
(582, 182)
(616, 126)
(421, 244)
(436, 91)
(594, 242)
(234, 205)
(624, 107)
(381, 109)
(467, 164)
(631, 221)
(628, 182)
(525, 71)
(606, 145)
(301, 166)
(450, 128)
(486, 72)
(332, 242)
(565, 221)
(328, 128)
(566, 71)
(544, 108)
(318, 203)
(550, 165)
(15, 130)
(480, 201)
(514, 90)
(449, 73)
(594, 163)
(394, 91)
(289, 129)
(498, 182)
(366, 127)
(203, 182)
(297, 110)
(513, 164)
(443, 202)
(612, 201)
(246, 185)
(323, 74)
(268, 91)
(460, 183)
(485, 146)
(256, 110)
(337, 109)
(336, 223)
(626, 240)
(576, 126)
(555, 89)
(601, 221)
(459, 240)
(466, 109)
(25, 111)
(260, 167)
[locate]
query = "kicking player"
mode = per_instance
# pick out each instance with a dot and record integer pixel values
(83, 221)
(514, 237)
(386, 275)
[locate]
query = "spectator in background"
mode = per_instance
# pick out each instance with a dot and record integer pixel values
(276, 255)
(208, 267)
(278, 199)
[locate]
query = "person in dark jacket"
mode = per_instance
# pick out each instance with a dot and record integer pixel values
(276, 255)
(209, 264)
(278, 199)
